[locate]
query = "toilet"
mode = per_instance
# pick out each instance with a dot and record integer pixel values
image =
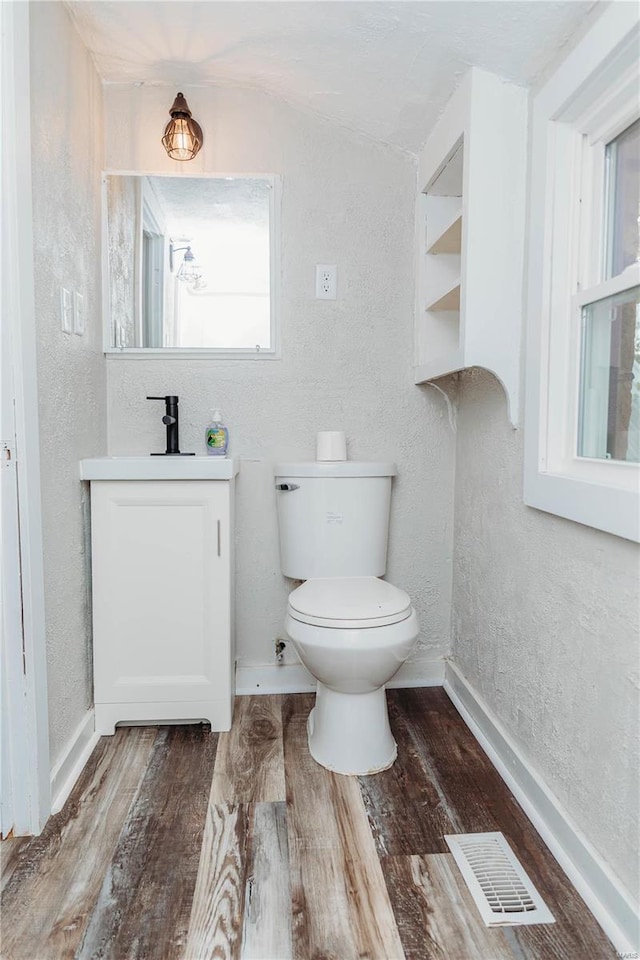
(351, 630)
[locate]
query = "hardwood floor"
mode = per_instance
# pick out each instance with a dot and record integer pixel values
(182, 844)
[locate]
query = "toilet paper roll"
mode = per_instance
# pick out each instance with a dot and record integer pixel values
(331, 445)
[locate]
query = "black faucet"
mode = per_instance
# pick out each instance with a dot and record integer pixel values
(170, 420)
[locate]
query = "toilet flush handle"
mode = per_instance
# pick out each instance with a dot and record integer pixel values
(287, 486)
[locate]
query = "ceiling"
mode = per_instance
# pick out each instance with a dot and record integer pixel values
(191, 202)
(385, 69)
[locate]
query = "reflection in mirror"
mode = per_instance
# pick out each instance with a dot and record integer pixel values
(189, 262)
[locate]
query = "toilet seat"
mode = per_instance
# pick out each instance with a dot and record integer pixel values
(349, 603)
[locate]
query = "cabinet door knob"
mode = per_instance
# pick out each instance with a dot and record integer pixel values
(287, 486)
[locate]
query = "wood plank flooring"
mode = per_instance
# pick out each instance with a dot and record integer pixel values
(182, 844)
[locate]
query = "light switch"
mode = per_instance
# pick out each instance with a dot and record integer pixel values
(78, 313)
(66, 310)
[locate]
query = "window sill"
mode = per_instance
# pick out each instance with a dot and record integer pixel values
(613, 510)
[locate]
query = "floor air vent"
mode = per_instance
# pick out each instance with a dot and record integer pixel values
(499, 886)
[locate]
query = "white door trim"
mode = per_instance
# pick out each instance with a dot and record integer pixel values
(18, 309)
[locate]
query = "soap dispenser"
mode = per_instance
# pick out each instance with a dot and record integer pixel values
(217, 436)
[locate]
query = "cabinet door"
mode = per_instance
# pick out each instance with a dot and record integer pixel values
(161, 590)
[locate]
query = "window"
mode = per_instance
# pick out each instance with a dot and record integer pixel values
(609, 425)
(609, 397)
(582, 417)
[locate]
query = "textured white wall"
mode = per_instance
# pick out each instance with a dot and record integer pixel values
(122, 206)
(346, 364)
(545, 628)
(67, 146)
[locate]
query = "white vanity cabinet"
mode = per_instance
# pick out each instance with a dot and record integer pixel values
(162, 563)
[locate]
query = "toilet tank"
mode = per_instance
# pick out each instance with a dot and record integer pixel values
(333, 518)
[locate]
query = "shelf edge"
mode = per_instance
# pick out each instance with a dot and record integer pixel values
(440, 367)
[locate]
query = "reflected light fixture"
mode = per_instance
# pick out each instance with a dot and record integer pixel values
(182, 135)
(189, 271)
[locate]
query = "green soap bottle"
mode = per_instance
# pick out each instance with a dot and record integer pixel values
(217, 436)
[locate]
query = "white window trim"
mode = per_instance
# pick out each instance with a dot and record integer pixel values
(274, 352)
(595, 90)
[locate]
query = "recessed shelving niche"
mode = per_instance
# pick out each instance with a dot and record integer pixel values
(449, 240)
(470, 235)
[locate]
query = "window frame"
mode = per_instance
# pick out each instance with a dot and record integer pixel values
(202, 353)
(588, 101)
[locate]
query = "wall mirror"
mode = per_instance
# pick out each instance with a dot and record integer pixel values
(189, 264)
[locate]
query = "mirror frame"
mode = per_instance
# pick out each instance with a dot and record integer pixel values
(240, 353)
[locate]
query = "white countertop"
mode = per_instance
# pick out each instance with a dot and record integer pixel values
(159, 468)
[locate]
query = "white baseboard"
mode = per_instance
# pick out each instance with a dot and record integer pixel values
(608, 900)
(419, 673)
(70, 766)
(273, 678)
(293, 678)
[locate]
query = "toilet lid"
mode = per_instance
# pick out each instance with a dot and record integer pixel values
(349, 602)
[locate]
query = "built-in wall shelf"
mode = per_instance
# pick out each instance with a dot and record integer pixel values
(470, 235)
(450, 238)
(446, 363)
(448, 299)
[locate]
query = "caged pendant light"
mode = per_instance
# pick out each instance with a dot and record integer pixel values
(182, 135)
(189, 271)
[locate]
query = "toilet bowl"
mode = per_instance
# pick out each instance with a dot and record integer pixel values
(351, 629)
(352, 634)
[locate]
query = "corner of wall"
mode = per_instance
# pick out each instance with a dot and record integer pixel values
(67, 142)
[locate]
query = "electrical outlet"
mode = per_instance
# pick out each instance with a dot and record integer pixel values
(66, 310)
(78, 313)
(326, 281)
